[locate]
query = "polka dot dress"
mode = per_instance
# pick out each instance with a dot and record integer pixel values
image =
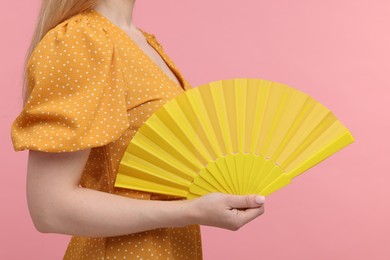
(92, 87)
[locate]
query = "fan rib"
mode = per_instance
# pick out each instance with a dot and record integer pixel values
(258, 172)
(232, 174)
(248, 164)
(274, 173)
(216, 176)
(279, 183)
(223, 167)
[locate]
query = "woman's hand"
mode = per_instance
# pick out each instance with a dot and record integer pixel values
(227, 211)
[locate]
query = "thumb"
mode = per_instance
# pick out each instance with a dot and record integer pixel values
(246, 201)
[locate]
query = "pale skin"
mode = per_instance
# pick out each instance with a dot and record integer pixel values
(58, 204)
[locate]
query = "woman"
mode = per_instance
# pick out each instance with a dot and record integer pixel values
(93, 79)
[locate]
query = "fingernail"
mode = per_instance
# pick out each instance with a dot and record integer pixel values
(260, 199)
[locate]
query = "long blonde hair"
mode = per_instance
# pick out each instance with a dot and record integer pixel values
(52, 13)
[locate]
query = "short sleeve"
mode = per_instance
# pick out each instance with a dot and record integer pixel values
(78, 95)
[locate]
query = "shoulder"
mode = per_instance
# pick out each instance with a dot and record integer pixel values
(77, 35)
(76, 45)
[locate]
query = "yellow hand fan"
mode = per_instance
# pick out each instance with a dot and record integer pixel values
(237, 136)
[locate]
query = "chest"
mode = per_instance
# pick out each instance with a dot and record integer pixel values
(149, 86)
(151, 53)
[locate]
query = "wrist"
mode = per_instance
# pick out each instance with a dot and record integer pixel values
(189, 213)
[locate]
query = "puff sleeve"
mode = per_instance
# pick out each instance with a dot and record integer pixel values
(78, 95)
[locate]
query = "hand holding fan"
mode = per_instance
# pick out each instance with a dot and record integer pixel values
(238, 136)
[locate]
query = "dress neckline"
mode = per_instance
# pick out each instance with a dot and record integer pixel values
(152, 43)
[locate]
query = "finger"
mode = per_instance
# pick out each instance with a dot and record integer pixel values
(249, 214)
(245, 201)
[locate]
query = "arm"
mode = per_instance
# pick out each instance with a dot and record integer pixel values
(58, 204)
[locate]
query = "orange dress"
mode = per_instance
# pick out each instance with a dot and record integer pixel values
(92, 87)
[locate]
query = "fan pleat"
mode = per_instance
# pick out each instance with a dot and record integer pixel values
(335, 142)
(309, 129)
(241, 111)
(197, 189)
(160, 158)
(289, 126)
(293, 130)
(192, 133)
(289, 110)
(140, 168)
(277, 101)
(167, 148)
(161, 187)
(221, 123)
(205, 123)
(262, 102)
(322, 126)
(211, 101)
(250, 114)
(231, 107)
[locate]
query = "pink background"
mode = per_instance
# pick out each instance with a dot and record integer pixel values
(338, 51)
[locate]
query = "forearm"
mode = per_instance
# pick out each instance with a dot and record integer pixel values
(58, 204)
(87, 212)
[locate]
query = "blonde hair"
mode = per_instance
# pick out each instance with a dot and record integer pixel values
(52, 13)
